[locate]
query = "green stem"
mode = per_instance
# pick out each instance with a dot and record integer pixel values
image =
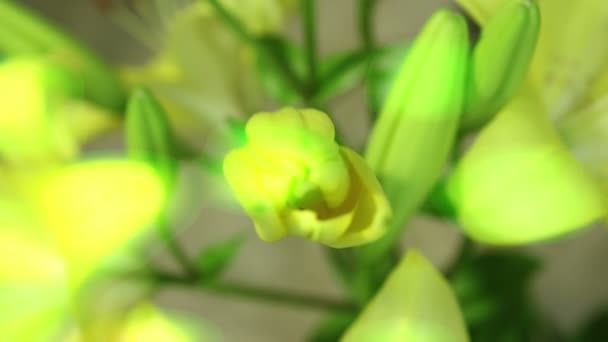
(308, 8)
(175, 249)
(256, 293)
(235, 25)
(365, 16)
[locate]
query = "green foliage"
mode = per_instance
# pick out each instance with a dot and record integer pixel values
(332, 328)
(214, 259)
(339, 73)
(281, 69)
(493, 289)
(595, 329)
(149, 136)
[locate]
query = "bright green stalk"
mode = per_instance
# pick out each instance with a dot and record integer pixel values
(311, 44)
(414, 134)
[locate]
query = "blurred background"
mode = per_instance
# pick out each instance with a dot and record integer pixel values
(571, 285)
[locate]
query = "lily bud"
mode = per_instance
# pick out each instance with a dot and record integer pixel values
(415, 304)
(149, 136)
(500, 60)
(415, 131)
(293, 178)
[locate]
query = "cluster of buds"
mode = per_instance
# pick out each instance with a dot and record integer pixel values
(292, 178)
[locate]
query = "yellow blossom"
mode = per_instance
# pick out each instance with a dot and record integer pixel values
(293, 178)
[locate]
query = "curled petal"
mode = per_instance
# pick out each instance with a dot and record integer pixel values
(292, 178)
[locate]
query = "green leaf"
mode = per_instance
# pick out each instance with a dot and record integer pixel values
(213, 260)
(595, 329)
(493, 289)
(333, 327)
(341, 72)
(149, 136)
(281, 60)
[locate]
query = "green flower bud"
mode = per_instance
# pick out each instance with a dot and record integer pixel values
(416, 128)
(415, 304)
(500, 60)
(537, 170)
(149, 136)
(293, 178)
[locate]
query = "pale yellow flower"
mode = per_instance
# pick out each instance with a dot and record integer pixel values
(293, 178)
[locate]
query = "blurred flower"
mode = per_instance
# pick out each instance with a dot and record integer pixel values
(261, 16)
(414, 304)
(293, 178)
(57, 227)
(44, 116)
(539, 169)
(203, 74)
(145, 322)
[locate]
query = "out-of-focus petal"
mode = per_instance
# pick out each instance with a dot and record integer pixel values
(92, 208)
(415, 304)
(518, 183)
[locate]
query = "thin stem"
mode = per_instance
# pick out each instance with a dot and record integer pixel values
(235, 25)
(256, 293)
(365, 15)
(232, 22)
(308, 8)
(174, 247)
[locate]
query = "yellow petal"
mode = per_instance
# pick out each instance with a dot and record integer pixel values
(32, 312)
(291, 177)
(372, 211)
(95, 207)
(146, 323)
(571, 52)
(33, 92)
(519, 183)
(27, 253)
(414, 304)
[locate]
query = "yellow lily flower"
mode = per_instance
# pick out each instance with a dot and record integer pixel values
(57, 227)
(538, 169)
(293, 178)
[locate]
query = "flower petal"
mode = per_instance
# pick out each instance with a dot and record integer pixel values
(518, 183)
